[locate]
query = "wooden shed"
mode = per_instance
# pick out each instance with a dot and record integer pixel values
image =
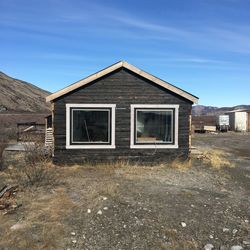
(121, 113)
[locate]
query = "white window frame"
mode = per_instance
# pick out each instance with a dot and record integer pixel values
(91, 106)
(174, 107)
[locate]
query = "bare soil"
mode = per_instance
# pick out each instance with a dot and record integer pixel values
(133, 207)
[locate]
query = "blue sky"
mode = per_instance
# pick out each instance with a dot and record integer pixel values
(202, 46)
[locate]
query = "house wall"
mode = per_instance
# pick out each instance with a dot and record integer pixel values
(122, 88)
(248, 114)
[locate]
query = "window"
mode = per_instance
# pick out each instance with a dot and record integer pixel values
(154, 126)
(90, 126)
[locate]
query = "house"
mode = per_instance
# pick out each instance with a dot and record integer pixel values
(121, 113)
(238, 120)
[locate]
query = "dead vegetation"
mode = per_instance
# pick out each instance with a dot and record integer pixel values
(127, 206)
(36, 169)
(217, 159)
(174, 242)
(41, 224)
(144, 206)
(8, 202)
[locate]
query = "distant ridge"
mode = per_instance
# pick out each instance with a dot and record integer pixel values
(211, 111)
(18, 95)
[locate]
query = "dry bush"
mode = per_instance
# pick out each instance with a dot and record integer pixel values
(180, 164)
(216, 159)
(37, 169)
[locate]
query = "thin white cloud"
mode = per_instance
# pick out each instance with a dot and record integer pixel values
(97, 20)
(230, 37)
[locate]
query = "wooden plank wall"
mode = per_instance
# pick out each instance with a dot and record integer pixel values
(122, 88)
(248, 121)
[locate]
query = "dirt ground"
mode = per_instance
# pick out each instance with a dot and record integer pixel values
(134, 207)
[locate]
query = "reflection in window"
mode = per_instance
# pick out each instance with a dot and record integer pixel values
(90, 126)
(154, 126)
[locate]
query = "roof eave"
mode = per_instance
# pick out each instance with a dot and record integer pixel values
(114, 67)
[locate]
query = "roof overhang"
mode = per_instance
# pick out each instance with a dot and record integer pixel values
(238, 110)
(130, 67)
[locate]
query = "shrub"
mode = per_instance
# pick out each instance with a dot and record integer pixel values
(36, 170)
(217, 159)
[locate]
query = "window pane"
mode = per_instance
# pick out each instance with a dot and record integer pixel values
(90, 126)
(154, 126)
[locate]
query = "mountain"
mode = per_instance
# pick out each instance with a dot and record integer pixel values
(211, 111)
(17, 95)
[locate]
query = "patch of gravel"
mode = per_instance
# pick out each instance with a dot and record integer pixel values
(148, 206)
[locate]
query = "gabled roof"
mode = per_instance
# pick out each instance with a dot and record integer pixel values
(130, 67)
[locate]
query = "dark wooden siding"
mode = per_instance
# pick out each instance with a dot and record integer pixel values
(122, 88)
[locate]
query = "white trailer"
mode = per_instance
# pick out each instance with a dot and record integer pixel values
(238, 120)
(222, 123)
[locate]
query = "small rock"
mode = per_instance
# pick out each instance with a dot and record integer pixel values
(235, 231)
(246, 221)
(211, 236)
(124, 226)
(89, 211)
(225, 230)
(99, 212)
(183, 224)
(236, 248)
(74, 241)
(246, 242)
(17, 226)
(105, 208)
(104, 198)
(192, 205)
(73, 233)
(208, 247)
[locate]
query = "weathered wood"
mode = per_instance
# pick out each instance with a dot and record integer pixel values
(7, 189)
(113, 68)
(122, 88)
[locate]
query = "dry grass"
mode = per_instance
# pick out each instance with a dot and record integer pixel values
(180, 164)
(96, 189)
(40, 174)
(217, 159)
(50, 213)
(42, 226)
(175, 242)
(36, 169)
(127, 169)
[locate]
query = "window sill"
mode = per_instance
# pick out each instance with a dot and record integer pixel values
(154, 146)
(90, 146)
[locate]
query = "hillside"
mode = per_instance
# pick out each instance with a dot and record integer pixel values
(17, 95)
(212, 111)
